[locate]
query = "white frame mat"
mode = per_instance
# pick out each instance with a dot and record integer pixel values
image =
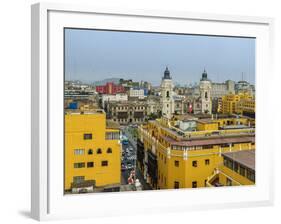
(48, 200)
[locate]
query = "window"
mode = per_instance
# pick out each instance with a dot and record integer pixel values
(90, 152)
(79, 165)
(194, 163)
(112, 135)
(99, 151)
(78, 179)
(228, 182)
(242, 170)
(79, 151)
(177, 163)
(104, 163)
(176, 185)
(109, 150)
(207, 162)
(228, 163)
(88, 136)
(167, 94)
(194, 184)
(206, 95)
(251, 175)
(235, 167)
(90, 164)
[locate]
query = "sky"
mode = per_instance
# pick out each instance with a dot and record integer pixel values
(94, 55)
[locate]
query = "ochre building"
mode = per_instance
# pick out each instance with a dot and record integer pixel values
(92, 152)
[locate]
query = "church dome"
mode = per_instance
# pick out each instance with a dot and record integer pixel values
(204, 76)
(167, 74)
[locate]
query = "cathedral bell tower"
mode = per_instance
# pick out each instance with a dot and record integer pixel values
(167, 101)
(205, 87)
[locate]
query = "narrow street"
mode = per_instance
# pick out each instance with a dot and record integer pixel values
(129, 160)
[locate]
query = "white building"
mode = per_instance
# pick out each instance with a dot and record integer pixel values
(137, 92)
(222, 89)
(117, 97)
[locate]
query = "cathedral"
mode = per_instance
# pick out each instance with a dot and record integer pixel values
(202, 104)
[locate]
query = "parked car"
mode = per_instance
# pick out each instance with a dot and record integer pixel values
(130, 166)
(123, 166)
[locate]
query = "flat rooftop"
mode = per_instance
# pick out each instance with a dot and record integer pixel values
(244, 157)
(211, 141)
(79, 111)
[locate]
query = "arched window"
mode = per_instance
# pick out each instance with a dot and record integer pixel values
(206, 95)
(99, 151)
(90, 152)
(167, 94)
(109, 150)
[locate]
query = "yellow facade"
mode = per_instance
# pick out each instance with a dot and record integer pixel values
(234, 103)
(246, 106)
(233, 175)
(186, 161)
(92, 150)
(229, 103)
(205, 126)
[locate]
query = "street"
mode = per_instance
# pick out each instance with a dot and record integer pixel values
(129, 157)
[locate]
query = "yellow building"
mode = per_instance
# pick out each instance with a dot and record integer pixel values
(247, 107)
(229, 103)
(237, 168)
(92, 152)
(171, 158)
(235, 103)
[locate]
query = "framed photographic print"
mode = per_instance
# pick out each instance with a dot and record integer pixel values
(163, 111)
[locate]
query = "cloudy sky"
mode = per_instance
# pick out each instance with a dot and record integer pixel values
(93, 55)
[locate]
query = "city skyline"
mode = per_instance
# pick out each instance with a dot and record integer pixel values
(93, 55)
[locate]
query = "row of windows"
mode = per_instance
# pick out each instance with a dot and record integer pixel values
(108, 136)
(195, 163)
(240, 169)
(127, 108)
(177, 184)
(90, 151)
(89, 164)
(129, 120)
(177, 163)
(224, 145)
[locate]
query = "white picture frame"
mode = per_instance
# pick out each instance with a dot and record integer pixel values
(48, 201)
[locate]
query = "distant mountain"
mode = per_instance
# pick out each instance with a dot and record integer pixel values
(104, 81)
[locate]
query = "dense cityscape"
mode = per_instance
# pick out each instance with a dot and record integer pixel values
(125, 135)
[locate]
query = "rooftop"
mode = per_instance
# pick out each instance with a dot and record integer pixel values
(244, 157)
(88, 111)
(129, 103)
(210, 141)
